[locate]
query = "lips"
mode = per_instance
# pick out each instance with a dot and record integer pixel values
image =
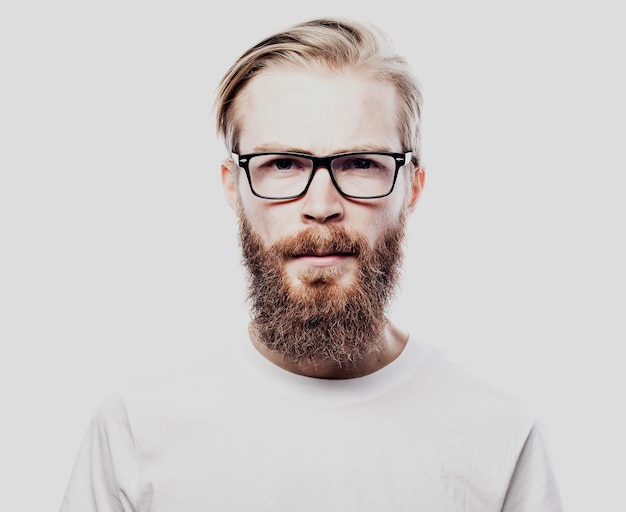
(315, 243)
(323, 254)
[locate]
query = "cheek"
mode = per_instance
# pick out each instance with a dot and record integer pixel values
(388, 214)
(265, 220)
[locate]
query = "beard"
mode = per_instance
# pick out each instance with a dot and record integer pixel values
(322, 317)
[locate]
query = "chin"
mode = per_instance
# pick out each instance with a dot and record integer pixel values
(325, 277)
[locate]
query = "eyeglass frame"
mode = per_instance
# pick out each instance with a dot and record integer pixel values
(400, 159)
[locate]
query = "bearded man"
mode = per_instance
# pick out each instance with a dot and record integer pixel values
(331, 407)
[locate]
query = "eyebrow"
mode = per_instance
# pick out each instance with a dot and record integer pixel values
(273, 147)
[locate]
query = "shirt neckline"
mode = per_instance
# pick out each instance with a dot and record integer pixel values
(262, 372)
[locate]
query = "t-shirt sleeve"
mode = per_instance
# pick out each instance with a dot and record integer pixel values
(104, 477)
(533, 487)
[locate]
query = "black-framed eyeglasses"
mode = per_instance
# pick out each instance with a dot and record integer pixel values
(357, 175)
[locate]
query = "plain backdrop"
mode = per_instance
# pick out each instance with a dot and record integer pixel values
(118, 252)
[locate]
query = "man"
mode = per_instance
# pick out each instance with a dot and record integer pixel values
(326, 405)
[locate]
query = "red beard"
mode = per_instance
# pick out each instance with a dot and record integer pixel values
(323, 319)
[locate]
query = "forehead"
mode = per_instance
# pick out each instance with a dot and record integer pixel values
(317, 111)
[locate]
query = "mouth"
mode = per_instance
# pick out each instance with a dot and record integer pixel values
(323, 259)
(324, 254)
(322, 248)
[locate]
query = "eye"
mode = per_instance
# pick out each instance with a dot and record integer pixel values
(361, 163)
(372, 166)
(353, 163)
(283, 164)
(279, 164)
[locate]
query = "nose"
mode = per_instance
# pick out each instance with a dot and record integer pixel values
(322, 202)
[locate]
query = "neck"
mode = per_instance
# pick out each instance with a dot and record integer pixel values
(388, 347)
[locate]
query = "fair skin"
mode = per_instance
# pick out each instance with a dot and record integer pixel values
(322, 113)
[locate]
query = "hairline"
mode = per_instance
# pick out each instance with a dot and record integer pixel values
(334, 45)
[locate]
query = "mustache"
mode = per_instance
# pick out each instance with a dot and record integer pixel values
(329, 240)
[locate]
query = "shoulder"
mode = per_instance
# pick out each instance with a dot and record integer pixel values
(163, 397)
(461, 397)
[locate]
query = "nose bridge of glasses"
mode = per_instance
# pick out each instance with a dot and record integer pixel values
(323, 162)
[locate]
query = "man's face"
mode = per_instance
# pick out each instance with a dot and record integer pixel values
(321, 114)
(324, 249)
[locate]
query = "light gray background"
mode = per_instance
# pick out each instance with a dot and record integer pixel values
(118, 253)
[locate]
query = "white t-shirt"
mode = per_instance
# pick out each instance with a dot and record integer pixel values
(244, 435)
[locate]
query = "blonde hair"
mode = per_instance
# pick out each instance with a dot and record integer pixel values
(335, 44)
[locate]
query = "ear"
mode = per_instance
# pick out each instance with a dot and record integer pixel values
(229, 183)
(417, 185)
